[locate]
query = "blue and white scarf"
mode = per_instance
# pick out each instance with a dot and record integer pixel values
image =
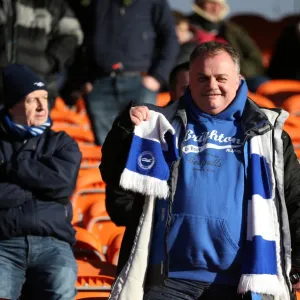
(24, 131)
(147, 172)
(153, 149)
(261, 270)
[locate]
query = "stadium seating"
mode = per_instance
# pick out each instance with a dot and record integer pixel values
(279, 90)
(264, 31)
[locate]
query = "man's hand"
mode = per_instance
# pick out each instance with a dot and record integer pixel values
(139, 114)
(296, 286)
(87, 88)
(151, 83)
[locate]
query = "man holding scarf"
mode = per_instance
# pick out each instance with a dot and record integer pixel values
(229, 227)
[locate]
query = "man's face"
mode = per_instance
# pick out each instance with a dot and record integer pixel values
(182, 81)
(212, 8)
(33, 111)
(214, 81)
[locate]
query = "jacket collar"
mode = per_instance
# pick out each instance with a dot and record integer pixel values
(254, 121)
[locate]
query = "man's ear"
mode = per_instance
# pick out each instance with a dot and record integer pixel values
(240, 77)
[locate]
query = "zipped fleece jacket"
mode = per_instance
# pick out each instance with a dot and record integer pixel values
(129, 205)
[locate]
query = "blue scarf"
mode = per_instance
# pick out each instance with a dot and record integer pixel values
(24, 131)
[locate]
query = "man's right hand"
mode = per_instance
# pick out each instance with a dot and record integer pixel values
(87, 88)
(139, 114)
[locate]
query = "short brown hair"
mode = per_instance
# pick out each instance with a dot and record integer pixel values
(214, 48)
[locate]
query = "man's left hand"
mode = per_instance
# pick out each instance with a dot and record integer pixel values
(151, 83)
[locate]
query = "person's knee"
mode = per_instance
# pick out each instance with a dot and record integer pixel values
(63, 282)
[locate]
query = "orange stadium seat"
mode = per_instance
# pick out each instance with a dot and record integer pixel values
(260, 100)
(292, 105)
(89, 189)
(79, 134)
(83, 201)
(67, 117)
(91, 155)
(60, 104)
(97, 222)
(87, 245)
(163, 99)
(113, 249)
(89, 178)
(94, 279)
(293, 121)
(279, 90)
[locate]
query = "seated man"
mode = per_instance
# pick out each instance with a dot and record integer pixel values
(38, 171)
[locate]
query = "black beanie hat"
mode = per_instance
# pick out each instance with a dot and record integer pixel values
(18, 82)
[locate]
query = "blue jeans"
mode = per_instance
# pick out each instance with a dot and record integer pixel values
(43, 267)
(178, 289)
(109, 97)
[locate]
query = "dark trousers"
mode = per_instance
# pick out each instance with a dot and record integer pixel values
(178, 289)
(110, 96)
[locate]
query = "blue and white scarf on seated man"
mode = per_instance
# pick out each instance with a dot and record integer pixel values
(25, 131)
(153, 148)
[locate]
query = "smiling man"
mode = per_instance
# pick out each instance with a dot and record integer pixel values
(38, 172)
(217, 236)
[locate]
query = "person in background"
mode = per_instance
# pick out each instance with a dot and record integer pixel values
(118, 208)
(285, 62)
(42, 35)
(186, 36)
(209, 16)
(229, 227)
(178, 81)
(38, 173)
(131, 47)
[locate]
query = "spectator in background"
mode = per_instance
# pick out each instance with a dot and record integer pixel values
(285, 61)
(209, 15)
(119, 204)
(179, 81)
(186, 35)
(38, 172)
(131, 47)
(40, 34)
